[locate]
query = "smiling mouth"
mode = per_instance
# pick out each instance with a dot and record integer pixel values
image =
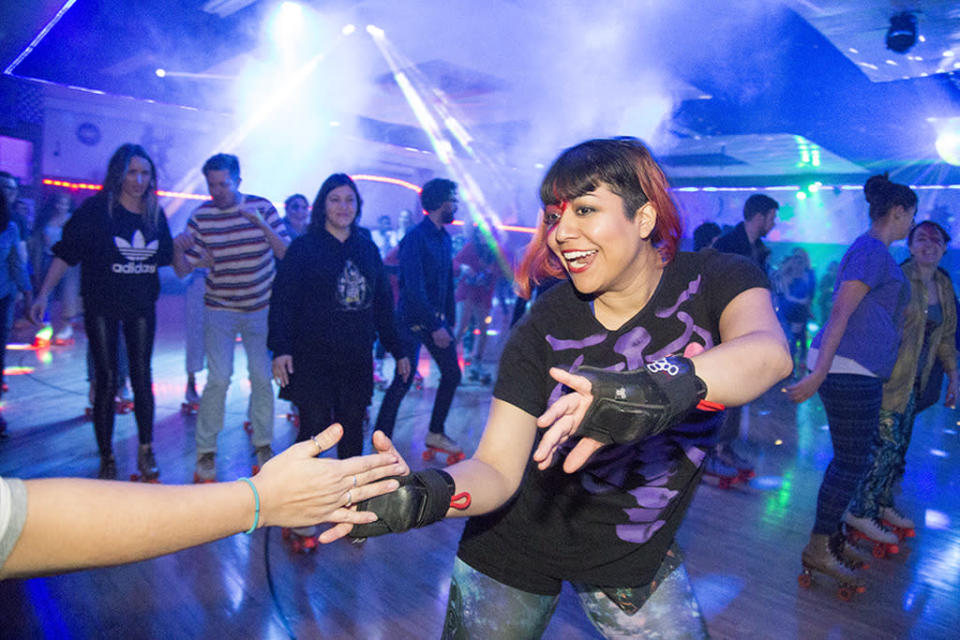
(577, 261)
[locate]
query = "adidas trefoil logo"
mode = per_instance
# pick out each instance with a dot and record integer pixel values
(136, 250)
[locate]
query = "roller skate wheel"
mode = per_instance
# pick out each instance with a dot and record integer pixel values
(879, 551)
(310, 543)
(861, 588)
(429, 454)
(454, 458)
(295, 544)
(248, 427)
(88, 413)
(134, 477)
(198, 480)
(255, 469)
(892, 549)
(845, 593)
(805, 580)
(724, 483)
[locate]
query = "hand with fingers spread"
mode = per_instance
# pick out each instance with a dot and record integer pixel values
(562, 419)
(384, 447)
(298, 489)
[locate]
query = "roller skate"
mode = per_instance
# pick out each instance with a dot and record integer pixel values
(191, 400)
(902, 526)
(263, 453)
(146, 466)
(883, 541)
(418, 381)
(64, 337)
(475, 373)
(206, 470)
(854, 557)
(724, 475)
(293, 416)
(731, 458)
(124, 400)
(248, 428)
(440, 443)
(108, 468)
(822, 555)
(300, 539)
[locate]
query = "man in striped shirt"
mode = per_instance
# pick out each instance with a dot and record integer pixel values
(237, 237)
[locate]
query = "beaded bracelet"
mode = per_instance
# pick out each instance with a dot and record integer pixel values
(256, 497)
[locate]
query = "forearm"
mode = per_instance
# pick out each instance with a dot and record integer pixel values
(108, 523)
(57, 268)
(181, 266)
(742, 369)
(488, 488)
(829, 343)
(277, 244)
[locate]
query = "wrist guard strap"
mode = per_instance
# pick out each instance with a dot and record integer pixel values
(632, 405)
(422, 498)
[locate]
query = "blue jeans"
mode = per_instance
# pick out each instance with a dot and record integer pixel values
(480, 607)
(193, 319)
(220, 333)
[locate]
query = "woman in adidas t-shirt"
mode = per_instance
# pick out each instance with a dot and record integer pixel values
(119, 237)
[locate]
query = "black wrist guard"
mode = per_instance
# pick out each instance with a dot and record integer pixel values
(422, 498)
(632, 405)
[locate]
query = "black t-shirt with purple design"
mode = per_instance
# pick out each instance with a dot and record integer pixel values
(610, 523)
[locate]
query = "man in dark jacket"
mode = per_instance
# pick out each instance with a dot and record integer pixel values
(426, 311)
(759, 218)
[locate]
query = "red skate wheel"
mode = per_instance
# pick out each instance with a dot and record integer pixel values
(134, 477)
(724, 483)
(310, 543)
(429, 454)
(892, 549)
(255, 469)
(805, 580)
(861, 588)
(879, 551)
(845, 593)
(248, 427)
(910, 533)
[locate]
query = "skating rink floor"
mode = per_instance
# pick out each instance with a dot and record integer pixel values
(742, 544)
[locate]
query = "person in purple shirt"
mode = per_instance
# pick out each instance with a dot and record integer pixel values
(849, 360)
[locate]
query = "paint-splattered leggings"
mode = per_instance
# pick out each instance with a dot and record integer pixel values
(480, 607)
(889, 460)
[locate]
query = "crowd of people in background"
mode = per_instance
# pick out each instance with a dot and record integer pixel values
(317, 300)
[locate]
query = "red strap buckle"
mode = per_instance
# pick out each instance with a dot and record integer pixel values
(460, 501)
(706, 405)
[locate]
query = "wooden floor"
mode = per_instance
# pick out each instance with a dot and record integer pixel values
(742, 545)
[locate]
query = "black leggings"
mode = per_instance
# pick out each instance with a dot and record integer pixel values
(138, 333)
(332, 402)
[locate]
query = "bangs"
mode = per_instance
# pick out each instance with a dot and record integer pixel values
(582, 169)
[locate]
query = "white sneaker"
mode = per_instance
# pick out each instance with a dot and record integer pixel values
(872, 528)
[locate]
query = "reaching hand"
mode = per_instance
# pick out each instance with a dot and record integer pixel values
(805, 388)
(282, 368)
(562, 419)
(37, 309)
(297, 489)
(385, 448)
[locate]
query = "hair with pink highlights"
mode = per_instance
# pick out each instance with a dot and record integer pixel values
(627, 168)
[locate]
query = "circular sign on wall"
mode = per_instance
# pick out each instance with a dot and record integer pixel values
(88, 133)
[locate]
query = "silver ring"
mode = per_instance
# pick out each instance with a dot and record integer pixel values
(349, 500)
(354, 480)
(319, 448)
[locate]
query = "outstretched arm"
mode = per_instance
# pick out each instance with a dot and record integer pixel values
(107, 523)
(848, 298)
(751, 357)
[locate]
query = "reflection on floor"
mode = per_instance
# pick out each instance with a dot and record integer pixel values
(742, 544)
